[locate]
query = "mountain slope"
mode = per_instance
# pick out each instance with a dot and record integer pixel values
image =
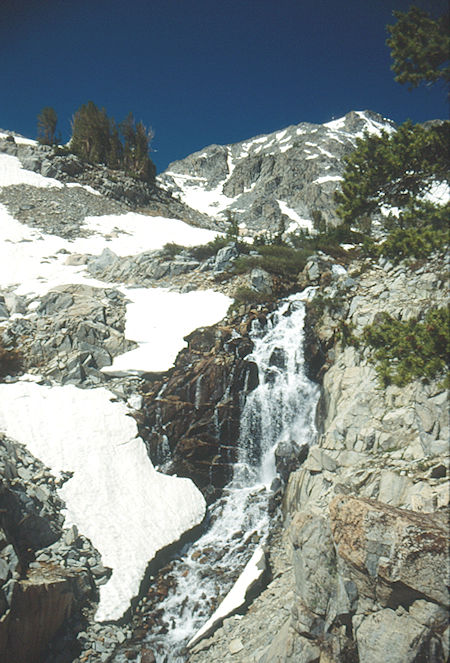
(279, 177)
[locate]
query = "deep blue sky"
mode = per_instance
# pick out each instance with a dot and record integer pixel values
(203, 71)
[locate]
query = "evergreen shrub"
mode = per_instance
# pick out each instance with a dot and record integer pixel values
(404, 350)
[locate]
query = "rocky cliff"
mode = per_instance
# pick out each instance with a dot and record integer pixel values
(366, 520)
(100, 191)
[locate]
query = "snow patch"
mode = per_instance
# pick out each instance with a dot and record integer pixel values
(236, 597)
(72, 185)
(132, 233)
(328, 178)
(116, 498)
(20, 140)
(33, 261)
(230, 162)
(336, 125)
(439, 194)
(328, 154)
(373, 127)
(210, 202)
(292, 214)
(11, 172)
(158, 320)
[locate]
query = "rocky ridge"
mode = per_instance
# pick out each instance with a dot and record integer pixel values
(89, 191)
(278, 178)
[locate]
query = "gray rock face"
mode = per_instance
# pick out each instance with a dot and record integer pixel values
(389, 637)
(36, 591)
(74, 332)
(225, 257)
(261, 281)
(279, 178)
(366, 513)
(104, 260)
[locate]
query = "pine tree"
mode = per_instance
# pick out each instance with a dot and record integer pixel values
(115, 153)
(420, 47)
(97, 139)
(232, 232)
(136, 160)
(143, 167)
(392, 170)
(91, 133)
(318, 221)
(46, 126)
(128, 131)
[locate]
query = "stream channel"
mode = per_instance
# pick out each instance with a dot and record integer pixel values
(280, 409)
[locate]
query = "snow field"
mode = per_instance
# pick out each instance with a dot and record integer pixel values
(115, 497)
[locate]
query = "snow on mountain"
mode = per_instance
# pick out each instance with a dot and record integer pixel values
(259, 180)
(20, 140)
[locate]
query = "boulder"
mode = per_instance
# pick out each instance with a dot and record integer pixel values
(391, 637)
(313, 558)
(288, 457)
(225, 257)
(397, 546)
(40, 604)
(104, 260)
(261, 281)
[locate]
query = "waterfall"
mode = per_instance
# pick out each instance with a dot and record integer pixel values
(280, 409)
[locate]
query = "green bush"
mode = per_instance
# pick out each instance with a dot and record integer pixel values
(404, 350)
(280, 260)
(245, 295)
(205, 251)
(328, 242)
(418, 231)
(321, 304)
(172, 249)
(412, 243)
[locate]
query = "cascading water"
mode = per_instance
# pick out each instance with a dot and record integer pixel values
(281, 408)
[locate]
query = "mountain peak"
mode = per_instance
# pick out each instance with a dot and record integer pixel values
(272, 179)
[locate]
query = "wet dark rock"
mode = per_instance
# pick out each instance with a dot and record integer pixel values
(192, 424)
(288, 457)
